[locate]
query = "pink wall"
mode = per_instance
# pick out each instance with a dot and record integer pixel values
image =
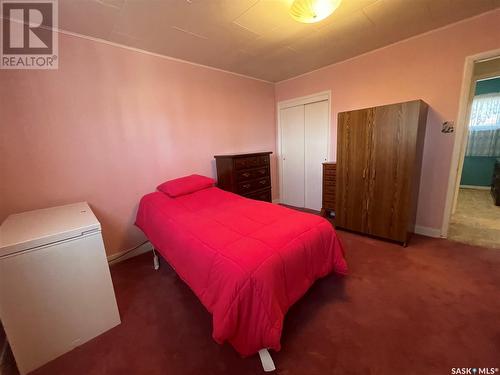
(111, 124)
(428, 67)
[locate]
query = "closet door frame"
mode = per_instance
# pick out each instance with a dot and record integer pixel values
(303, 100)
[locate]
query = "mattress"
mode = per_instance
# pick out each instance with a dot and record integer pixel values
(247, 261)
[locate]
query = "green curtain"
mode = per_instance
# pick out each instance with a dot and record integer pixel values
(484, 126)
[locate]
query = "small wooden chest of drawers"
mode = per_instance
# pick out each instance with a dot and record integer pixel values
(245, 174)
(329, 186)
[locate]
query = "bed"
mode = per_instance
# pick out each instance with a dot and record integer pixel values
(247, 261)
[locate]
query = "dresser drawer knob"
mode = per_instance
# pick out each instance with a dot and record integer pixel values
(246, 174)
(263, 182)
(246, 186)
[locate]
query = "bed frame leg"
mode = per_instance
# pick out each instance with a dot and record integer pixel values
(156, 261)
(266, 360)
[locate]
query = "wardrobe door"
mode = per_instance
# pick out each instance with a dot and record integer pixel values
(392, 169)
(316, 151)
(292, 153)
(354, 141)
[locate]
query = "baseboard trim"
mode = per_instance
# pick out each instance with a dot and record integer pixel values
(429, 232)
(475, 187)
(127, 254)
(276, 201)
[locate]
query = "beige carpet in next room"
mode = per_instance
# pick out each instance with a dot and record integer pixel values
(476, 220)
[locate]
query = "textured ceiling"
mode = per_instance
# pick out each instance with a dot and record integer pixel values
(258, 38)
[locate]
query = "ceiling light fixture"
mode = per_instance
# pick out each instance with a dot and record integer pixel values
(310, 11)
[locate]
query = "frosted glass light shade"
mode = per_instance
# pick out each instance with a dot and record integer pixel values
(310, 11)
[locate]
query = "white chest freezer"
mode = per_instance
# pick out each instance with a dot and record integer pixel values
(55, 286)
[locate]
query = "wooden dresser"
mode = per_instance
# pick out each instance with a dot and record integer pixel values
(329, 186)
(248, 175)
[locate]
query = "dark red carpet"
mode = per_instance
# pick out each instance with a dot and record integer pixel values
(424, 309)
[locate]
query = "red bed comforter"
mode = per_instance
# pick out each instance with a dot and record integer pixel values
(247, 261)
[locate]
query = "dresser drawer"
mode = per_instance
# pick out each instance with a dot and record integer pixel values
(329, 205)
(329, 173)
(329, 186)
(328, 197)
(251, 162)
(251, 186)
(328, 178)
(250, 174)
(264, 195)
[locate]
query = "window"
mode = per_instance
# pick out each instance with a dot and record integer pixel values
(485, 112)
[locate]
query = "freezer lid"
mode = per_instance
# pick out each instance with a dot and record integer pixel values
(31, 229)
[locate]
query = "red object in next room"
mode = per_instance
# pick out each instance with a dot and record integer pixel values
(247, 261)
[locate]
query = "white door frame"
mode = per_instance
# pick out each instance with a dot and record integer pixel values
(303, 100)
(461, 127)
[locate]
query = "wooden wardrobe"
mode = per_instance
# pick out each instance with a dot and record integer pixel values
(379, 158)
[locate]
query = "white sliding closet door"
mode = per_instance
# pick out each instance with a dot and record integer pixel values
(315, 151)
(292, 152)
(304, 147)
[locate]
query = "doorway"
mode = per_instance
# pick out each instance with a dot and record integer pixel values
(303, 145)
(475, 214)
